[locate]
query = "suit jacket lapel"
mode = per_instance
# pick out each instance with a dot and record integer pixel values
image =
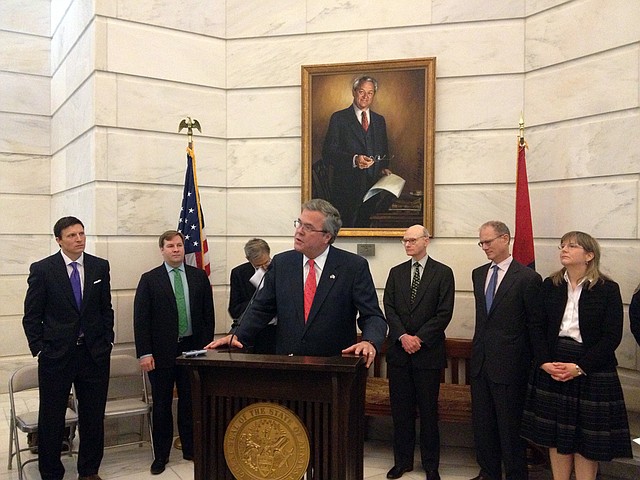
(62, 275)
(425, 280)
(480, 284)
(505, 284)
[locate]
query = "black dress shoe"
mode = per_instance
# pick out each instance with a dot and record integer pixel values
(397, 471)
(432, 475)
(157, 467)
(187, 457)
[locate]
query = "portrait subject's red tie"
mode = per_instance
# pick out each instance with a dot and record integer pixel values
(365, 121)
(309, 289)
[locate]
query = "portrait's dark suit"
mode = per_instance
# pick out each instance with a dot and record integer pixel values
(500, 362)
(156, 333)
(239, 297)
(346, 138)
(345, 289)
(414, 379)
(52, 323)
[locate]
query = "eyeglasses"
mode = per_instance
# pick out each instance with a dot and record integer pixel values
(487, 243)
(306, 227)
(569, 245)
(410, 241)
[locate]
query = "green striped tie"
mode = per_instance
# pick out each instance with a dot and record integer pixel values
(178, 290)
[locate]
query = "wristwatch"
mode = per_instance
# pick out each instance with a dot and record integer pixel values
(579, 370)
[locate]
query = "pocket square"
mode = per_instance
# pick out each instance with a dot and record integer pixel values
(97, 281)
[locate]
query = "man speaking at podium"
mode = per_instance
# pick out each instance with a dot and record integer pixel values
(316, 290)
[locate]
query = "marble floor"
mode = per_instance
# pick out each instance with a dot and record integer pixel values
(129, 463)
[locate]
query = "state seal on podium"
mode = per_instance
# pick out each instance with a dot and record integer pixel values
(266, 441)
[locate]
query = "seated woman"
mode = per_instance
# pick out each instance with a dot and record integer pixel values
(574, 401)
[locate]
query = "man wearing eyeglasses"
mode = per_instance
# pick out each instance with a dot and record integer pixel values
(356, 147)
(245, 279)
(317, 291)
(506, 297)
(418, 303)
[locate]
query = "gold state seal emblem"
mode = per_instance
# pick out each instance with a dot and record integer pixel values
(266, 441)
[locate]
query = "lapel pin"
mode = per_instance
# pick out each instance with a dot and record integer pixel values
(332, 277)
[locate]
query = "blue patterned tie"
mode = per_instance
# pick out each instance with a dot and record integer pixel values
(491, 289)
(75, 284)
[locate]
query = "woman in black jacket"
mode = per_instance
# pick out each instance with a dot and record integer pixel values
(575, 405)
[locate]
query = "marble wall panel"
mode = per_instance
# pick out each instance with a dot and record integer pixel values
(265, 18)
(33, 17)
(24, 173)
(583, 87)
(476, 157)
(606, 208)
(197, 16)
(591, 28)
(460, 210)
(277, 109)
(159, 106)
(58, 10)
(28, 134)
(106, 93)
(24, 214)
(148, 157)
(336, 15)
(12, 294)
(592, 147)
(22, 250)
(90, 204)
(75, 117)
(24, 93)
(167, 54)
(276, 210)
(74, 164)
(78, 65)
(535, 6)
(448, 11)
(461, 50)
(276, 61)
(147, 209)
(67, 28)
(22, 53)
(131, 256)
(479, 103)
(14, 341)
(264, 163)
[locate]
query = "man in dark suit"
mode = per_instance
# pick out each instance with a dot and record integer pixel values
(173, 313)
(418, 304)
(316, 290)
(356, 148)
(68, 321)
(245, 279)
(506, 297)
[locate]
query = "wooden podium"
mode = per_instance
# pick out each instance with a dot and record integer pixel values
(326, 393)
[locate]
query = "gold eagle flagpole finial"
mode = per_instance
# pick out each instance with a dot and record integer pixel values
(189, 124)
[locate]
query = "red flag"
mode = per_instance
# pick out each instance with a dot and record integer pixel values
(191, 222)
(523, 250)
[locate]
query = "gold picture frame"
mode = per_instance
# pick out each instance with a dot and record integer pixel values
(405, 97)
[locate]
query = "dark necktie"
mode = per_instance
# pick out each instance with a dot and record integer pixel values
(491, 288)
(75, 284)
(415, 281)
(309, 289)
(178, 291)
(365, 121)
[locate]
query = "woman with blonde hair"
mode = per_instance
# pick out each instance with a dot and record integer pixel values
(575, 405)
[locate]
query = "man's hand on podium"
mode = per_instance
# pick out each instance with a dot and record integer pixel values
(364, 348)
(230, 340)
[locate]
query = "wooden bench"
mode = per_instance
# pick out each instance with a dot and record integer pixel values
(454, 402)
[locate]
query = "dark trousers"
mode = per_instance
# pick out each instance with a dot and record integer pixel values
(91, 382)
(162, 381)
(497, 413)
(410, 387)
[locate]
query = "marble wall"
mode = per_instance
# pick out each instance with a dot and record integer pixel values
(92, 93)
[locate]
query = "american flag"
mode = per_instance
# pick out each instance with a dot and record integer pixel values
(191, 222)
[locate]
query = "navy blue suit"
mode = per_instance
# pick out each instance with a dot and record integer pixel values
(52, 323)
(346, 138)
(344, 290)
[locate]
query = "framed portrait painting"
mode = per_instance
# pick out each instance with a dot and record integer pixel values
(368, 143)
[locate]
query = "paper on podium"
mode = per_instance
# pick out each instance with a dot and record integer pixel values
(637, 440)
(391, 183)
